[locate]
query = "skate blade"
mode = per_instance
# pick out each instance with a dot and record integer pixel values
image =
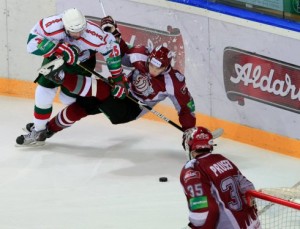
(33, 144)
(217, 133)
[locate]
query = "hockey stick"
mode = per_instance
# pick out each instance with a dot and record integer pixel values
(57, 63)
(110, 83)
(216, 133)
(102, 7)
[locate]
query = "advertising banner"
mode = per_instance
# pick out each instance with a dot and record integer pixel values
(251, 76)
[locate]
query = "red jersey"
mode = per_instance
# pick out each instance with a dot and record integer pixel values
(215, 190)
(169, 84)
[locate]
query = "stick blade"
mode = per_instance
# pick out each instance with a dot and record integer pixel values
(51, 66)
(217, 133)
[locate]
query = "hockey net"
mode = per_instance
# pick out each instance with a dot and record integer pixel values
(278, 208)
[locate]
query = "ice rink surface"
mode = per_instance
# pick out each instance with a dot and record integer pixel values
(95, 175)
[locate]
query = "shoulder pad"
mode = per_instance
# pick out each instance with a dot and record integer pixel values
(52, 25)
(95, 36)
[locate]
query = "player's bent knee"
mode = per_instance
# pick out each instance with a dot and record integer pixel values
(65, 99)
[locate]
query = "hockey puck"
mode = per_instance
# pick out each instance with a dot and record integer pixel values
(163, 179)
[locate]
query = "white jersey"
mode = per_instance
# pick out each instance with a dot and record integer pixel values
(92, 38)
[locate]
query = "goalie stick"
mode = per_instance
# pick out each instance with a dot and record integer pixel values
(56, 65)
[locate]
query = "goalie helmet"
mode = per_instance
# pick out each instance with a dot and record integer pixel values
(197, 139)
(160, 57)
(74, 21)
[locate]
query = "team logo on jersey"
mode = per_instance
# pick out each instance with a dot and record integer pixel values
(191, 175)
(142, 83)
(94, 33)
(52, 22)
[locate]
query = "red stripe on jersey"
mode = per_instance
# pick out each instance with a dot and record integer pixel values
(42, 116)
(105, 38)
(116, 72)
(50, 34)
(71, 54)
(90, 43)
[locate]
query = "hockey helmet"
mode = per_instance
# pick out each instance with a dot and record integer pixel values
(160, 57)
(198, 139)
(74, 21)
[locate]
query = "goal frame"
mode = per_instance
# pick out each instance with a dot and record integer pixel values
(272, 199)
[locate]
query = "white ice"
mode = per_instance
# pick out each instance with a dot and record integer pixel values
(95, 175)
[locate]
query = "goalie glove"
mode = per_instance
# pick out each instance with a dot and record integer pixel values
(120, 86)
(108, 24)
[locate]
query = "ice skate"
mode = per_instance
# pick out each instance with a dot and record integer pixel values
(33, 138)
(30, 126)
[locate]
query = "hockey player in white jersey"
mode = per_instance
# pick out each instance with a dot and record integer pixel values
(71, 36)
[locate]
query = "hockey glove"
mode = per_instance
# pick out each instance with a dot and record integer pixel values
(120, 86)
(68, 52)
(108, 24)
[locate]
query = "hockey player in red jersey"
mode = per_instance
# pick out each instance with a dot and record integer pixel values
(214, 187)
(152, 80)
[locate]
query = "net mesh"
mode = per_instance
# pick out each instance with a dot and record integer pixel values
(274, 215)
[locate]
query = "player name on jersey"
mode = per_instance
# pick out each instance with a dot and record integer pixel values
(221, 167)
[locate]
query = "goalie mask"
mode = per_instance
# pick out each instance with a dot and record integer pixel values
(198, 139)
(74, 21)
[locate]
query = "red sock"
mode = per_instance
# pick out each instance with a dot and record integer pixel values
(67, 117)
